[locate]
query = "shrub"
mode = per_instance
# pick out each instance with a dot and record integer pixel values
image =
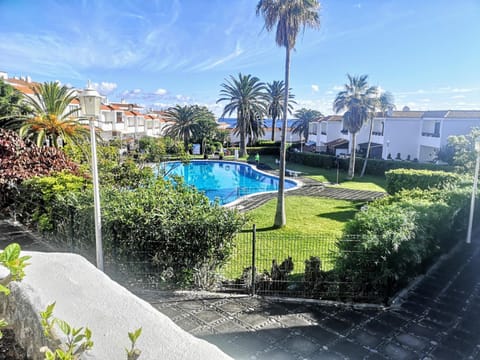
(172, 227)
(22, 159)
(39, 196)
(398, 236)
(400, 179)
(168, 228)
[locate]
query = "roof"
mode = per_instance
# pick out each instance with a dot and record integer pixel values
(406, 114)
(332, 118)
(463, 114)
(337, 142)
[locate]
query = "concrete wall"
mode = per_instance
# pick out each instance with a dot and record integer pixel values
(85, 296)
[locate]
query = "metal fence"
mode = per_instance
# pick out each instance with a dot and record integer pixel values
(292, 265)
(261, 262)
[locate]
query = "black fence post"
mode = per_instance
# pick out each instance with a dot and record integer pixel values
(254, 234)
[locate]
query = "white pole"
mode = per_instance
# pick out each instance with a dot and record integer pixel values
(96, 198)
(472, 202)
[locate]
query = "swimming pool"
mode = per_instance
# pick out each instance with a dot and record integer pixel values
(226, 181)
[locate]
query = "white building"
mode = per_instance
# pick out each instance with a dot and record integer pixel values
(399, 134)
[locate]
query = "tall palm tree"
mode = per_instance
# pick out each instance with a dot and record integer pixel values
(275, 92)
(289, 17)
(53, 119)
(303, 119)
(246, 96)
(383, 102)
(183, 122)
(356, 101)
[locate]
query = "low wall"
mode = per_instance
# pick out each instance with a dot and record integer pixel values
(85, 296)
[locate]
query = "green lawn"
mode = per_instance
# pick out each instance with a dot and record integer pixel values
(313, 226)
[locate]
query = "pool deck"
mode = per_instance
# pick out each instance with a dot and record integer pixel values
(438, 318)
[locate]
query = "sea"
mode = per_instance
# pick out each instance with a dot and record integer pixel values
(267, 122)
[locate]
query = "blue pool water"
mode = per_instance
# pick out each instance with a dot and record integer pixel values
(224, 180)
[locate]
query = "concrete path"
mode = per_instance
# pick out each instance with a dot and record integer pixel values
(309, 188)
(437, 319)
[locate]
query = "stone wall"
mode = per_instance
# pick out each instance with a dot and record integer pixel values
(85, 296)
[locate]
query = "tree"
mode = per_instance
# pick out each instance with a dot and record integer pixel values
(246, 96)
(383, 102)
(356, 101)
(13, 109)
(53, 119)
(303, 119)
(207, 128)
(289, 17)
(463, 152)
(275, 93)
(183, 122)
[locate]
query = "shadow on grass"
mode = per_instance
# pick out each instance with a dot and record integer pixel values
(342, 215)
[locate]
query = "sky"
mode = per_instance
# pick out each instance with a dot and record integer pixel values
(160, 53)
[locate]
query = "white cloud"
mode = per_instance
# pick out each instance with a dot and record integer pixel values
(315, 88)
(458, 97)
(160, 91)
(338, 88)
(105, 87)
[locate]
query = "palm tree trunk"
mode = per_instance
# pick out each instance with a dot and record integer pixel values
(280, 216)
(273, 128)
(243, 147)
(368, 148)
(351, 167)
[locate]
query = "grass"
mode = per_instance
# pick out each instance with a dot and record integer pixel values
(314, 225)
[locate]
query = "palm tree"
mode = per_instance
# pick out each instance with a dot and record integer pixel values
(289, 17)
(255, 128)
(303, 119)
(356, 101)
(183, 122)
(383, 102)
(246, 96)
(53, 119)
(275, 92)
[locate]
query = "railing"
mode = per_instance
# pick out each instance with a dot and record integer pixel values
(430, 134)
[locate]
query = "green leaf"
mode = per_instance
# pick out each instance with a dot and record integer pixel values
(64, 326)
(4, 290)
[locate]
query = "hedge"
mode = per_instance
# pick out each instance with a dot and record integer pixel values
(170, 230)
(376, 167)
(401, 179)
(403, 233)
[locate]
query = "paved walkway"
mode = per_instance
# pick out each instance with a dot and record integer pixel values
(437, 319)
(309, 188)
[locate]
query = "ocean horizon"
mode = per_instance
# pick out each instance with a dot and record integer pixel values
(267, 122)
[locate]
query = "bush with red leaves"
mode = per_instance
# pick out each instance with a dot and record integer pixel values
(22, 159)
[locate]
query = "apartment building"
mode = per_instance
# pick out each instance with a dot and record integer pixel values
(405, 135)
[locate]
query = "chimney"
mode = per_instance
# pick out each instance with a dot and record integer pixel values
(28, 79)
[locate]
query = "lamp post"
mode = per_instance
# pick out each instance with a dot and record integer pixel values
(90, 102)
(474, 192)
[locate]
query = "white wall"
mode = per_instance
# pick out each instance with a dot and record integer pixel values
(402, 136)
(85, 296)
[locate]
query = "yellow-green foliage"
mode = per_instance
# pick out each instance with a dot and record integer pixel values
(405, 179)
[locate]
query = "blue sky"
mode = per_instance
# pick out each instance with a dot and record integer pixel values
(159, 53)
